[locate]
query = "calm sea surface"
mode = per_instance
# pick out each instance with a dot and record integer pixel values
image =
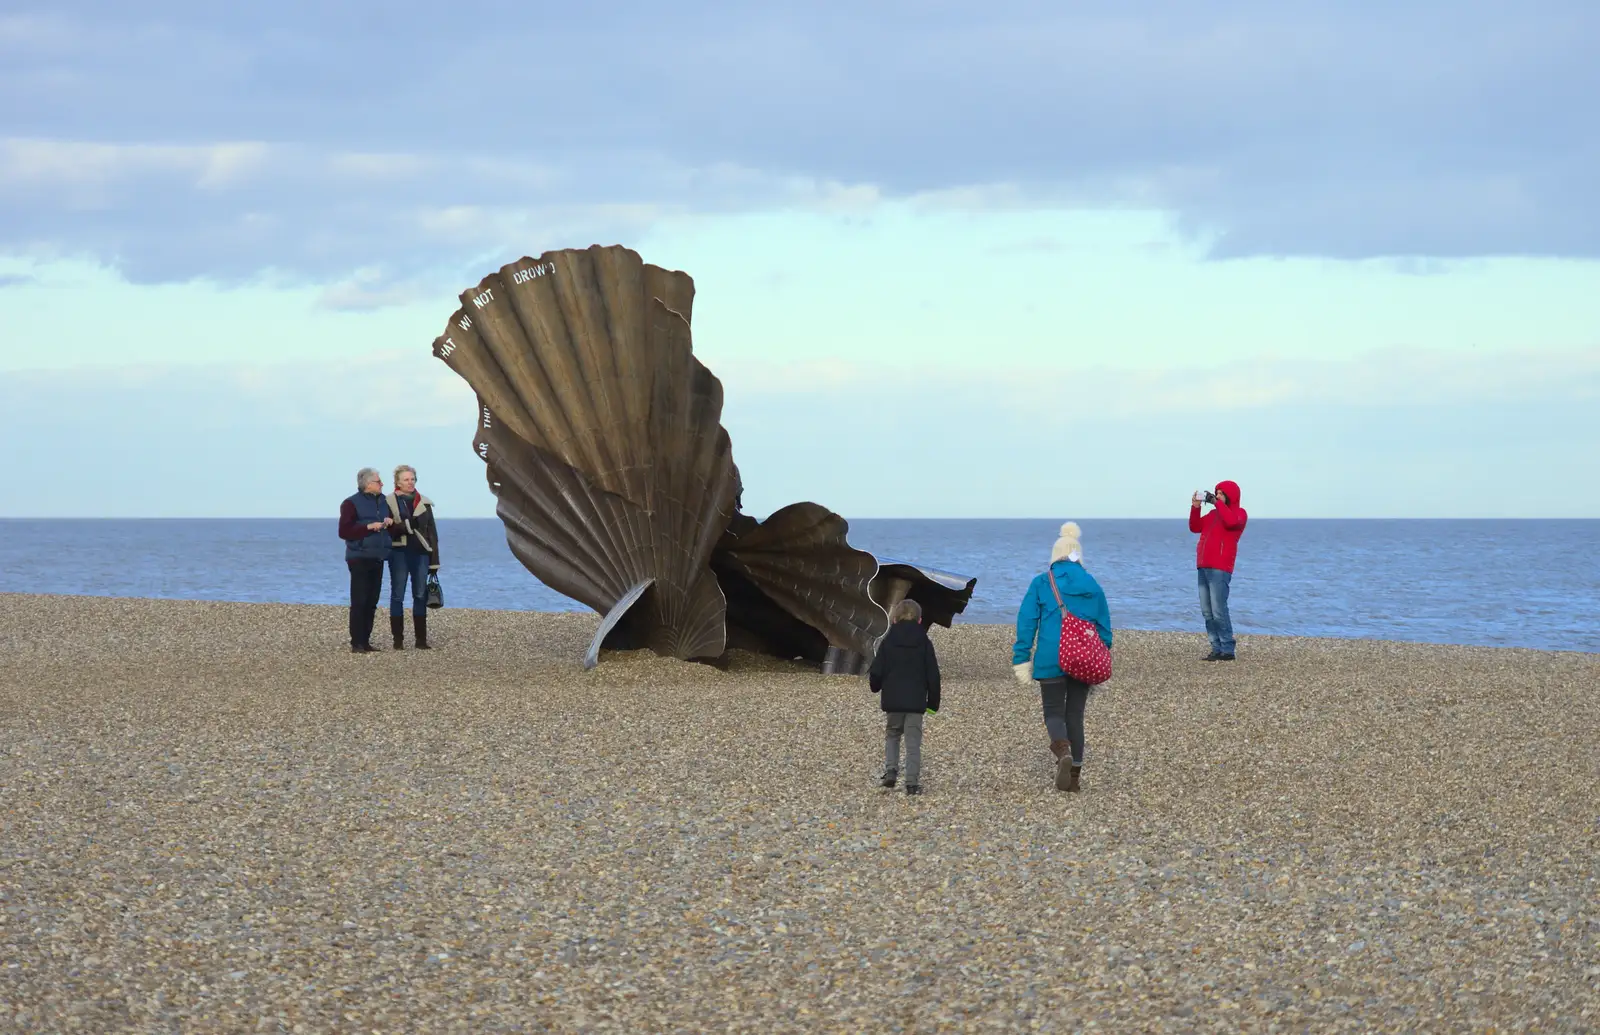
(1495, 583)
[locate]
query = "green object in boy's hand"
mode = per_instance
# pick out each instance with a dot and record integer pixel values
(933, 711)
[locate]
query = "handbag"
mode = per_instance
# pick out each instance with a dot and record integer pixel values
(435, 593)
(1083, 655)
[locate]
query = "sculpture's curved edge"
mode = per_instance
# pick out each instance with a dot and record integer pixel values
(800, 558)
(942, 594)
(623, 606)
(544, 529)
(675, 283)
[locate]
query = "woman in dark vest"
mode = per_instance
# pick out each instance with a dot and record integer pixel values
(415, 552)
(364, 526)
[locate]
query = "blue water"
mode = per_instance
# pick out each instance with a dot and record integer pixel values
(1494, 583)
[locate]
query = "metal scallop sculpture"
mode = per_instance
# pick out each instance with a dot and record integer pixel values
(615, 479)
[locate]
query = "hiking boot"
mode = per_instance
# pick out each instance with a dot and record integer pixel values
(419, 619)
(397, 626)
(913, 788)
(888, 778)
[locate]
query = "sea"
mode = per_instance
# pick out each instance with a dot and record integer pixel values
(1499, 583)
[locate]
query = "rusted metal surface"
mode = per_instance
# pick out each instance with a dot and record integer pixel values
(602, 439)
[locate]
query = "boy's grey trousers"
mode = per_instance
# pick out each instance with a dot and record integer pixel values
(909, 724)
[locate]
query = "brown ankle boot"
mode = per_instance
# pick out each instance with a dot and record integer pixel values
(1064, 771)
(1072, 777)
(1059, 748)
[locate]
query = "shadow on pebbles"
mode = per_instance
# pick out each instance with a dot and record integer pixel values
(213, 817)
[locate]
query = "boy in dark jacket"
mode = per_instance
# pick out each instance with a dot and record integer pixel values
(906, 675)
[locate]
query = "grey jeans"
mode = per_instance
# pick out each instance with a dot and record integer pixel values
(1064, 701)
(909, 724)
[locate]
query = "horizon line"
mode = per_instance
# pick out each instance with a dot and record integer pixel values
(494, 517)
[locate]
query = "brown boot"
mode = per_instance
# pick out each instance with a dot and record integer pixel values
(1059, 748)
(1072, 777)
(1064, 771)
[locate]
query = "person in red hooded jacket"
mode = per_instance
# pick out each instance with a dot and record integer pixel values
(1219, 530)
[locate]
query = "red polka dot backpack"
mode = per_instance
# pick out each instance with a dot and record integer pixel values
(1083, 655)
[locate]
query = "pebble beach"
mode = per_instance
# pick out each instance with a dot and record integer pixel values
(215, 818)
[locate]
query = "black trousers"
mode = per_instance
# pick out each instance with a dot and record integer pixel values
(366, 579)
(1063, 701)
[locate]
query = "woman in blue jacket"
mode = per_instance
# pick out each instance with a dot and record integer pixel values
(1039, 618)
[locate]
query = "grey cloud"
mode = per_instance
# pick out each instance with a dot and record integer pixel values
(1347, 129)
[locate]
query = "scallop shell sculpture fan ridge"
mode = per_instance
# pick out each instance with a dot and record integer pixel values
(602, 438)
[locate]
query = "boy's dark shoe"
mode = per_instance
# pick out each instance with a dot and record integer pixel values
(1215, 655)
(913, 788)
(888, 779)
(1224, 657)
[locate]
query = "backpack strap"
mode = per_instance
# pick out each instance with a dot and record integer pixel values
(1050, 577)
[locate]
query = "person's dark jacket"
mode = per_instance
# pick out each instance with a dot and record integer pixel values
(414, 529)
(360, 543)
(906, 672)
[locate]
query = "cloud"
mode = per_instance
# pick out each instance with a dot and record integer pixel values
(368, 289)
(385, 388)
(181, 139)
(1389, 377)
(1388, 435)
(236, 211)
(367, 387)
(1032, 244)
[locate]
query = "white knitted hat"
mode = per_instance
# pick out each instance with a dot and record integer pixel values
(1067, 547)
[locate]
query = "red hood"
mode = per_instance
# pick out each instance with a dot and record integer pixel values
(1232, 489)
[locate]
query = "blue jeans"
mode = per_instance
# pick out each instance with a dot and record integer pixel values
(1214, 606)
(401, 564)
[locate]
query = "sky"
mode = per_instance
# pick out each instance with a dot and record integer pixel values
(951, 260)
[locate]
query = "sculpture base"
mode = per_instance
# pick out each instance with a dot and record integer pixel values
(841, 661)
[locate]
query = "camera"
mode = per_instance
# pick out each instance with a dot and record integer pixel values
(1209, 497)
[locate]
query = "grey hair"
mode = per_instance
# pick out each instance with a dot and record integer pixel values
(398, 471)
(906, 611)
(365, 475)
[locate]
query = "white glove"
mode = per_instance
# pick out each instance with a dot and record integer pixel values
(1023, 672)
